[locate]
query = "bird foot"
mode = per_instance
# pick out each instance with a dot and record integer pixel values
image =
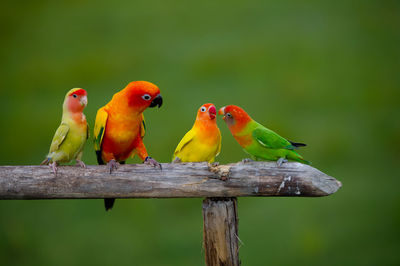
(112, 165)
(53, 166)
(281, 161)
(80, 163)
(152, 162)
(247, 160)
(177, 160)
(215, 164)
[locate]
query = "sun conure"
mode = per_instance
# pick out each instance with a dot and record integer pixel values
(203, 142)
(258, 141)
(120, 127)
(71, 135)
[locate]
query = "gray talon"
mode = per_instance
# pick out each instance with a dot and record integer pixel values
(80, 163)
(247, 160)
(281, 161)
(177, 160)
(53, 166)
(112, 165)
(152, 162)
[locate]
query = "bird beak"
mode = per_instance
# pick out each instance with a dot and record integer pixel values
(222, 112)
(84, 100)
(157, 101)
(212, 112)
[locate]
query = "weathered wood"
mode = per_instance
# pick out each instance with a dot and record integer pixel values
(174, 181)
(220, 226)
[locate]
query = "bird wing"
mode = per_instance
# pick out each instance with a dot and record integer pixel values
(184, 141)
(59, 137)
(99, 128)
(271, 140)
(219, 148)
(143, 127)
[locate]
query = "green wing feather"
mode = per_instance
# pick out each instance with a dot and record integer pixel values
(59, 137)
(270, 139)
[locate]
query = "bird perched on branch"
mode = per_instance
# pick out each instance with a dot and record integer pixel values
(203, 141)
(71, 135)
(258, 141)
(120, 127)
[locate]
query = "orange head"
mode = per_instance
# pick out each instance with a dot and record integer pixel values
(142, 94)
(235, 117)
(75, 100)
(207, 112)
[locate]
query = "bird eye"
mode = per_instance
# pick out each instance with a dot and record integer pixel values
(203, 109)
(74, 95)
(228, 115)
(146, 97)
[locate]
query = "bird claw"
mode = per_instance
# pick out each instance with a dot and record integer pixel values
(112, 165)
(281, 161)
(53, 166)
(177, 160)
(80, 163)
(215, 164)
(247, 160)
(152, 162)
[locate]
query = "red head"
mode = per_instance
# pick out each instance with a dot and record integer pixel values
(235, 117)
(142, 94)
(75, 100)
(207, 112)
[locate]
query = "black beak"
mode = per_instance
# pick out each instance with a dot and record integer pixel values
(156, 101)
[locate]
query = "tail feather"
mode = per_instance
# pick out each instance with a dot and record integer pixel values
(109, 203)
(99, 159)
(297, 144)
(297, 157)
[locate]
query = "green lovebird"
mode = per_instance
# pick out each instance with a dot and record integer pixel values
(71, 135)
(258, 141)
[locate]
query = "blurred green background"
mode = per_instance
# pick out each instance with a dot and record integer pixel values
(321, 72)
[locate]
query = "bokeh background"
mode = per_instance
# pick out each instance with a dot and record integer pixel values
(321, 72)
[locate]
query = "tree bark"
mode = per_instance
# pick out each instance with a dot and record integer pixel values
(221, 232)
(183, 180)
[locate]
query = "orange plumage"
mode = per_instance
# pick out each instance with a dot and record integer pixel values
(119, 128)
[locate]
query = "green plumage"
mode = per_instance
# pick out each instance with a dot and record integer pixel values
(264, 144)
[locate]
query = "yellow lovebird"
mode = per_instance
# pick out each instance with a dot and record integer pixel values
(203, 142)
(71, 135)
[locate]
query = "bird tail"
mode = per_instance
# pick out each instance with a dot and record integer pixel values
(109, 203)
(297, 144)
(46, 161)
(297, 157)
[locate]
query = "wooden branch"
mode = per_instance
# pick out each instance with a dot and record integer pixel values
(174, 181)
(220, 231)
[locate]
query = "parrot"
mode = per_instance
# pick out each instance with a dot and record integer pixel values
(258, 141)
(203, 141)
(71, 135)
(120, 127)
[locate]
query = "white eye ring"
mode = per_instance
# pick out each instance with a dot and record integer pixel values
(228, 115)
(146, 97)
(74, 95)
(203, 109)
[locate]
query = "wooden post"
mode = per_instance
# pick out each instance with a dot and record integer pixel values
(220, 232)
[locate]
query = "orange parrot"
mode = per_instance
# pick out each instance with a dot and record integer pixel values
(120, 127)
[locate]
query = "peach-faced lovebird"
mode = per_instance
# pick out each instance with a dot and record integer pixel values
(258, 141)
(71, 135)
(119, 128)
(203, 142)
